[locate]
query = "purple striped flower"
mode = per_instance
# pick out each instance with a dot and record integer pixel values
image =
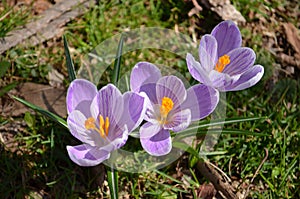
(170, 106)
(223, 63)
(101, 120)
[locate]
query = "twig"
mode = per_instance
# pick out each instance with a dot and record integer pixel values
(220, 170)
(197, 6)
(216, 179)
(5, 15)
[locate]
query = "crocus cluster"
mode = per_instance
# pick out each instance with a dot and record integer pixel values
(103, 119)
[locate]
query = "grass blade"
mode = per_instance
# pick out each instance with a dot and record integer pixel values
(292, 165)
(217, 122)
(187, 148)
(7, 88)
(116, 72)
(50, 115)
(194, 132)
(70, 65)
(227, 121)
(4, 66)
(112, 177)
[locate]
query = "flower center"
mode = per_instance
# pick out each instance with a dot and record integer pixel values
(166, 106)
(90, 123)
(222, 62)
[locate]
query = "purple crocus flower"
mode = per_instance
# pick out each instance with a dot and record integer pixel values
(170, 106)
(224, 64)
(101, 120)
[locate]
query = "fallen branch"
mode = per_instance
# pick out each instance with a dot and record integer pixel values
(220, 184)
(49, 25)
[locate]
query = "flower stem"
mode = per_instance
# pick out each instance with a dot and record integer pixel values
(112, 176)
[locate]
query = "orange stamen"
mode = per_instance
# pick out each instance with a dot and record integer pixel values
(166, 106)
(104, 125)
(222, 62)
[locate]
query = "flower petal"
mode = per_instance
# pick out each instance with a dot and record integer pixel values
(79, 95)
(148, 130)
(117, 140)
(196, 70)
(241, 59)
(248, 79)
(86, 155)
(143, 73)
(76, 123)
(220, 80)
(150, 90)
(159, 144)
(208, 55)
(201, 100)
(171, 87)
(109, 103)
(228, 37)
(134, 110)
(179, 121)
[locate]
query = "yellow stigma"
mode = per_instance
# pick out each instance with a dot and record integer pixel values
(222, 62)
(90, 123)
(103, 125)
(166, 106)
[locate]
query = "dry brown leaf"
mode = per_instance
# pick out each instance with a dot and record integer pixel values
(292, 35)
(44, 96)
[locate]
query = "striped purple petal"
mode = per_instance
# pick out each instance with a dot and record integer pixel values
(77, 128)
(179, 120)
(247, 79)
(159, 144)
(197, 71)
(241, 59)
(79, 96)
(115, 139)
(201, 100)
(221, 80)
(143, 73)
(148, 130)
(134, 110)
(228, 37)
(171, 87)
(150, 90)
(208, 55)
(86, 155)
(108, 103)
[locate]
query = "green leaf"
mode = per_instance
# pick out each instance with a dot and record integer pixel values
(70, 65)
(186, 148)
(192, 129)
(195, 131)
(169, 177)
(7, 88)
(4, 66)
(227, 121)
(46, 113)
(111, 173)
(116, 72)
(112, 177)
